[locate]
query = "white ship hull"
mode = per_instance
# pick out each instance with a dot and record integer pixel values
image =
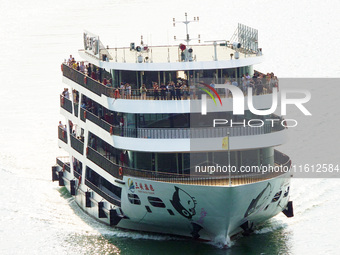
(212, 213)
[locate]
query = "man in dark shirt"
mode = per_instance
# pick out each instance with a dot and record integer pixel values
(163, 90)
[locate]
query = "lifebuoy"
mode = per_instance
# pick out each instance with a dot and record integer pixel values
(79, 179)
(63, 168)
(87, 150)
(63, 136)
(62, 67)
(120, 171)
(84, 114)
(111, 130)
(85, 79)
(62, 101)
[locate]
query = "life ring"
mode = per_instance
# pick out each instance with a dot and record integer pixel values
(84, 114)
(87, 150)
(62, 101)
(79, 179)
(62, 67)
(63, 136)
(120, 171)
(63, 168)
(111, 130)
(85, 80)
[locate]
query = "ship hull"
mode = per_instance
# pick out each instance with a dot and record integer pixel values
(212, 213)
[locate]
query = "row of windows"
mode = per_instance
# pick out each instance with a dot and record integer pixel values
(169, 120)
(180, 163)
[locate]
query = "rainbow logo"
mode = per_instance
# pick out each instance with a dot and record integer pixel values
(209, 93)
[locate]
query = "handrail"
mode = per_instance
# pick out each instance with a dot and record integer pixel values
(180, 133)
(77, 144)
(62, 134)
(236, 178)
(102, 193)
(63, 164)
(66, 103)
(101, 89)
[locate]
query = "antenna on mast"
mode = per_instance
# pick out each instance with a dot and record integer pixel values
(187, 22)
(186, 52)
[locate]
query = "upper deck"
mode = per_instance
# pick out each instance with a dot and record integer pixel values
(172, 57)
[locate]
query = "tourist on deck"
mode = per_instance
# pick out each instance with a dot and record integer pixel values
(155, 91)
(69, 61)
(163, 91)
(192, 90)
(89, 70)
(185, 90)
(172, 90)
(122, 90)
(143, 91)
(82, 67)
(128, 90)
(66, 94)
(178, 91)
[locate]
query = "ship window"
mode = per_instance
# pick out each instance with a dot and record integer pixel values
(287, 192)
(167, 162)
(148, 209)
(171, 212)
(134, 199)
(276, 196)
(156, 202)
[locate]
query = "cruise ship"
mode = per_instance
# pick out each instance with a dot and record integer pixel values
(154, 141)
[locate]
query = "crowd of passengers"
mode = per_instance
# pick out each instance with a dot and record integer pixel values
(181, 89)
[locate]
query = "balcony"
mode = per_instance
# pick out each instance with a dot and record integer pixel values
(103, 162)
(62, 134)
(101, 193)
(66, 104)
(77, 144)
(64, 163)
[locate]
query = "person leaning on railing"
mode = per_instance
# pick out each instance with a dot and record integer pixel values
(143, 91)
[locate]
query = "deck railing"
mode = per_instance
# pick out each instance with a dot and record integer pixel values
(77, 144)
(64, 163)
(100, 89)
(236, 179)
(179, 133)
(103, 194)
(103, 162)
(66, 104)
(118, 171)
(62, 134)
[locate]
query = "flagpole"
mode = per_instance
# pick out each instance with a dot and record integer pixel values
(229, 159)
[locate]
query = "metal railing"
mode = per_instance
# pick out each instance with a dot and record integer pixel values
(66, 103)
(101, 193)
(236, 179)
(103, 162)
(179, 133)
(64, 163)
(62, 134)
(112, 168)
(133, 94)
(77, 144)
(76, 110)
